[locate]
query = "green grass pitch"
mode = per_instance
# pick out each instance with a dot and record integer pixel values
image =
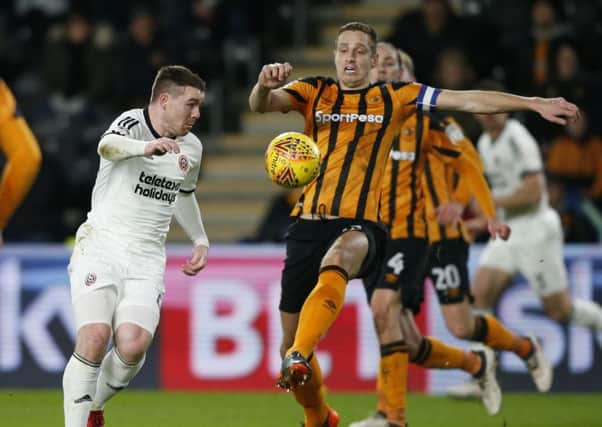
(28, 408)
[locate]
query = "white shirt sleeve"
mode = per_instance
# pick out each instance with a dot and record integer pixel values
(529, 158)
(123, 138)
(127, 124)
(188, 215)
(191, 179)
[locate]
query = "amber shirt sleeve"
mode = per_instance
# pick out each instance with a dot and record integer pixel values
(23, 156)
(451, 146)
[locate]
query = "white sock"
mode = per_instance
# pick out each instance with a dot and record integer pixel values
(586, 313)
(115, 375)
(79, 385)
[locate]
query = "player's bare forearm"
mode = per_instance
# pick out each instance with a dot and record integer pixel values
(555, 110)
(259, 99)
(264, 97)
(528, 194)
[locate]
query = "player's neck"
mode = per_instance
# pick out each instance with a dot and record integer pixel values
(495, 133)
(157, 121)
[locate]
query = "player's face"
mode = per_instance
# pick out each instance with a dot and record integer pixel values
(353, 59)
(182, 110)
(492, 122)
(387, 67)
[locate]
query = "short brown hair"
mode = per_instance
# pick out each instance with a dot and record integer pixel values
(363, 28)
(175, 75)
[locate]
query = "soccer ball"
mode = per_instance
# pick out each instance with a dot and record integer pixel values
(292, 160)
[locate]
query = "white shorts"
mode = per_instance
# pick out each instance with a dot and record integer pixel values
(533, 250)
(110, 285)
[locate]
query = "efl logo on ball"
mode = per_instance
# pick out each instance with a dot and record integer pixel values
(292, 159)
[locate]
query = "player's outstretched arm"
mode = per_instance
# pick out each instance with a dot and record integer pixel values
(265, 95)
(555, 110)
(480, 189)
(117, 147)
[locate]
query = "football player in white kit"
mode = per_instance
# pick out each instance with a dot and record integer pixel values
(513, 164)
(148, 171)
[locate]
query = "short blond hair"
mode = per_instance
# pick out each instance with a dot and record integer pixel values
(392, 48)
(406, 60)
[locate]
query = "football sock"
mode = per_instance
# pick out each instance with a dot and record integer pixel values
(311, 396)
(79, 384)
(491, 332)
(586, 313)
(115, 375)
(435, 354)
(320, 309)
(394, 360)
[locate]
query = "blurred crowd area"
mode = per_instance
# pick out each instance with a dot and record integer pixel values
(74, 65)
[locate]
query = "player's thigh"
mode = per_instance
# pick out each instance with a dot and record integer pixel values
(348, 251)
(497, 266)
(402, 269)
(487, 285)
(140, 302)
(356, 247)
(301, 267)
(94, 289)
(447, 270)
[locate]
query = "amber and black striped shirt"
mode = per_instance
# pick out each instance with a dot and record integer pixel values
(443, 184)
(403, 199)
(354, 130)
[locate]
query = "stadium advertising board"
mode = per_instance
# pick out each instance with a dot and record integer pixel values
(220, 330)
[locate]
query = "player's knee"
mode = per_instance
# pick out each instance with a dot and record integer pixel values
(131, 351)
(413, 343)
(132, 341)
(92, 341)
(348, 252)
(559, 313)
(461, 330)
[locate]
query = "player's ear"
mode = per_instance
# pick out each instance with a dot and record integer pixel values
(374, 60)
(163, 98)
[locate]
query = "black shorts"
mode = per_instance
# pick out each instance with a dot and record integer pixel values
(307, 242)
(448, 270)
(401, 268)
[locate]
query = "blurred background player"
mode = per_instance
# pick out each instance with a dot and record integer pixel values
(406, 251)
(148, 172)
(334, 239)
(23, 156)
(513, 165)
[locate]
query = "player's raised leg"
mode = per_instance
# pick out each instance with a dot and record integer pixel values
(324, 303)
